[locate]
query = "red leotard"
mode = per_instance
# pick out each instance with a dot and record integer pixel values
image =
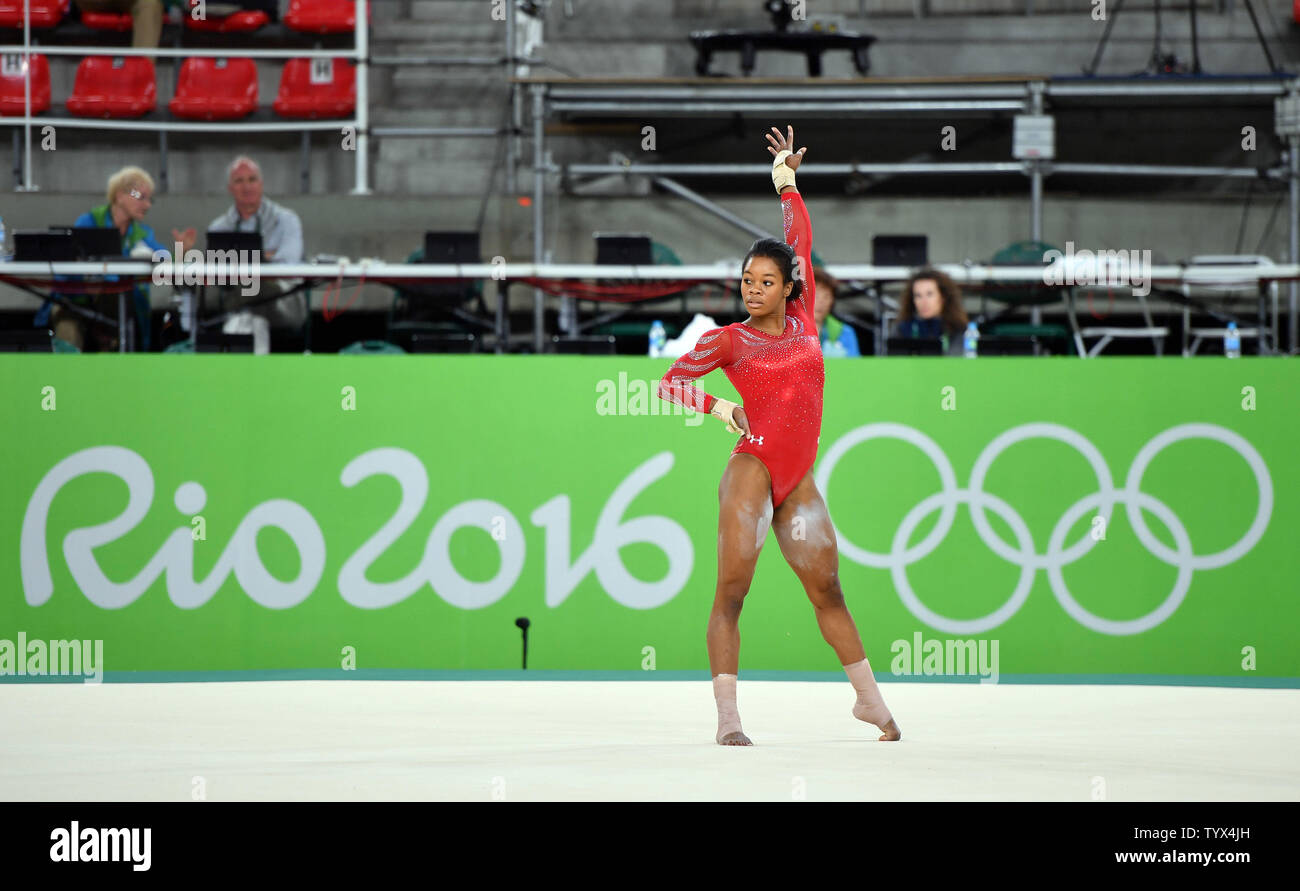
(779, 378)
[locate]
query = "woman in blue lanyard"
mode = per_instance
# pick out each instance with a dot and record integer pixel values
(839, 341)
(130, 196)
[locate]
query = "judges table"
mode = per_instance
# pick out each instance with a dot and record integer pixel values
(551, 278)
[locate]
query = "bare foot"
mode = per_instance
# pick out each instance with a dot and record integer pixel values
(734, 738)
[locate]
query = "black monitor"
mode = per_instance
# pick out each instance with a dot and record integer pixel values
(452, 247)
(623, 250)
(97, 242)
(442, 343)
(1005, 345)
(588, 345)
(27, 340)
(899, 250)
(220, 342)
(443, 247)
(47, 246)
(234, 241)
(914, 346)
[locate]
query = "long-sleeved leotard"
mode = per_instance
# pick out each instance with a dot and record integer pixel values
(779, 378)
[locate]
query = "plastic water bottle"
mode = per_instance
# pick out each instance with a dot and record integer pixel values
(971, 341)
(1232, 342)
(658, 337)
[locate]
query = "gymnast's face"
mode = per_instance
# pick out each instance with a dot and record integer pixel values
(762, 287)
(926, 298)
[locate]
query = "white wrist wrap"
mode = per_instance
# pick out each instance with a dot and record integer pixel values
(723, 409)
(782, 175)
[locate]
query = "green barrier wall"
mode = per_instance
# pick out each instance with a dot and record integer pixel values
(304, 515)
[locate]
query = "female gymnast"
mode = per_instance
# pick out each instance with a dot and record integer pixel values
(774, 360)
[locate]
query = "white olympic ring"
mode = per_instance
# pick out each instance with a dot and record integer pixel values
(1057, 555)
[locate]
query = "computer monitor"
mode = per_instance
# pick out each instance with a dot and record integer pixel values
(220, 342)
(632, 249)
(27, 340)
(442, 343)
(452, 247)
(97, 242)
(588, 345)
(913, 346)
(235, 241)
(899, 250)
(46, 246)
(1005, 345)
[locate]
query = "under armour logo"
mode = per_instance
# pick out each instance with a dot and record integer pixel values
(754, 439)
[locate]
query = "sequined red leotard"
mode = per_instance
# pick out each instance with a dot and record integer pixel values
(779, 378)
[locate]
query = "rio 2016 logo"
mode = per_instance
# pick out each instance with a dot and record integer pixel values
(174, 560)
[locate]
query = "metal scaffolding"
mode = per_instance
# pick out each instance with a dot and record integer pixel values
(1035, 96)
(1030, 96)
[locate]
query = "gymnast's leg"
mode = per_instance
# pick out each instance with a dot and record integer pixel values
(803, 530)
(744, 515)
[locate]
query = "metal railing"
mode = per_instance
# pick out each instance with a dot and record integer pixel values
(508, 274)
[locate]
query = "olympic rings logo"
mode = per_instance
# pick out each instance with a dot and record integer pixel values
(1057, 554)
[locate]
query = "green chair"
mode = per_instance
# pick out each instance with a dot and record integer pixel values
(410, 312)
(1018, 297)
(660, 255)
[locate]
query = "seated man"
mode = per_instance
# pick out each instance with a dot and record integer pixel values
(281, 232)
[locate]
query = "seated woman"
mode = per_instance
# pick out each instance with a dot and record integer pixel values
(130, 197)
(839, 341)
(930, 306)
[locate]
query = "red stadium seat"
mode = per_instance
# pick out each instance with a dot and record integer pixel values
(13, 90)
(108, 21)
(114, 88)
(216, 89)
(317, 88)
(1295, 10)
(236, 23)
(323, 16)
(45, 13)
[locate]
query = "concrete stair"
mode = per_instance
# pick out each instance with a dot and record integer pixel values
(438, 95)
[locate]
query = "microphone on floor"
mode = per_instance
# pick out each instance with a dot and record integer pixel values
(522, 624)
